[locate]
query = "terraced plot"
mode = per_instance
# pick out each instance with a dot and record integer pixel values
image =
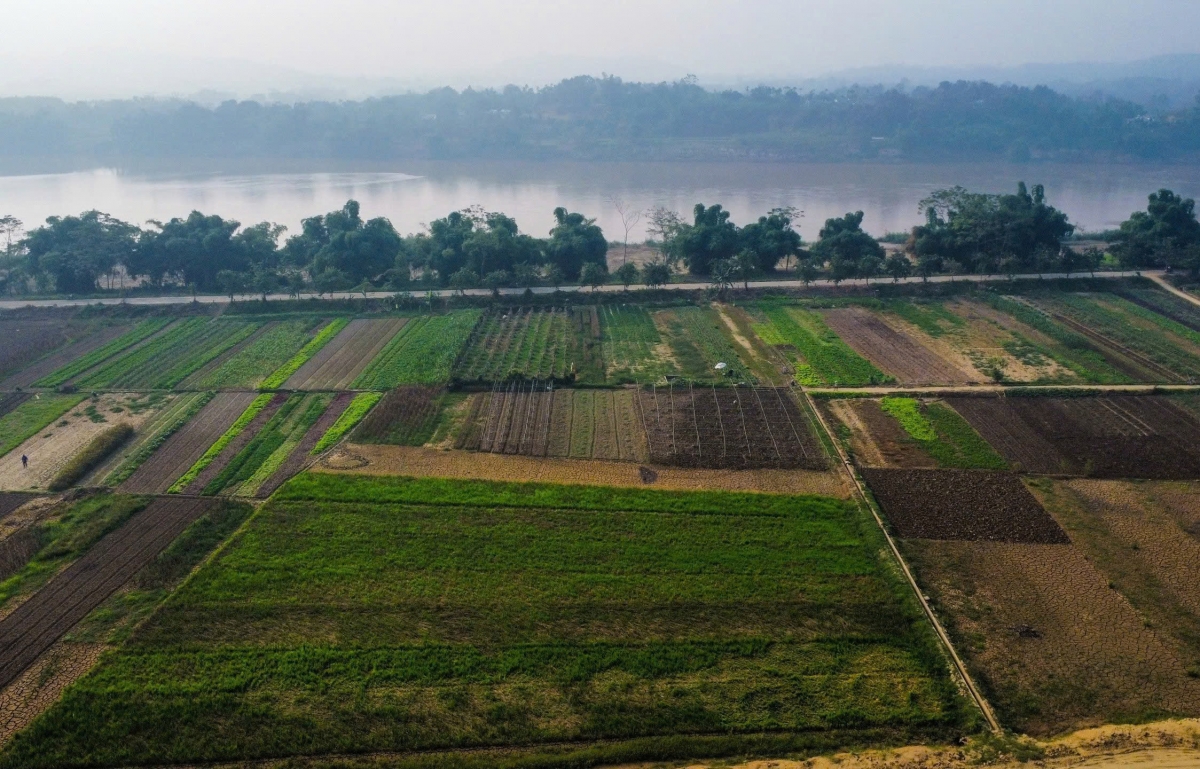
(423, 353)
(179, 452)
(170, 357)
(340, 361)
(562, 604)
(132, 339)
(169, 415)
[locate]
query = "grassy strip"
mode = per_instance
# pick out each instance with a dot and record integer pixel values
(827, 360)
(30, 417)
(427, 354)
(322, 338)
(68, 535)
(438, 491)
(930, 317)
(257, 405)
(907, 411)
(249, 366)
(102, 353)
(943, 434)
(358, 408)
(97, 450)
(260, 447)
(147, 450)
(295, 433)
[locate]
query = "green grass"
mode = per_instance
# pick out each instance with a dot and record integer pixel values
(173, 356)
(347, 627)
(943, 434)
(820, 356)
(67, 534)
(422, 356)
(284, 372)
(631, 344)
(698, 343)
(250, 366)
(235, 429)
(931, 317)
(358, 408)
(31, 417)
(103, 353)
(267, 450)
(158, 431)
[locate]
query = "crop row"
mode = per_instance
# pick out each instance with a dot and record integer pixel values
(631, 345)
(262, 356)
(171, 357)
(823, 358)
(423, 355)
(100, 354)
(162, 427)
(314, 345)
(267, 450)
(234, 430)
(346, 421)
(528, 343)
(943, 434)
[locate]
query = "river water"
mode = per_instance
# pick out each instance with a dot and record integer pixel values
(413, 193)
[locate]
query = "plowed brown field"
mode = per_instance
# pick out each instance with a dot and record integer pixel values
(1104, 437)
(892, 352)
(339, 362)
(876, 439)
(720, 427)
(1054, 646)
(961, 504)
(182, 449)
(425, 462)
(68, 597)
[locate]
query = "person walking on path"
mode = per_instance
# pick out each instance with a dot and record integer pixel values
(24, 462)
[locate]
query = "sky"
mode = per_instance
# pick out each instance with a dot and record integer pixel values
(125, 45)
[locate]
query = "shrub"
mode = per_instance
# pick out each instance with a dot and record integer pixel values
(99, 449)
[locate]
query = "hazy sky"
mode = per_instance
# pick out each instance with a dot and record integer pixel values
(439, 38)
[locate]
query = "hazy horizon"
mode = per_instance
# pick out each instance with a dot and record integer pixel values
(122, 48)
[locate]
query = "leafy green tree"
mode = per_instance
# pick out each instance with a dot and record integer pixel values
(574, 242)
(554, 276)
(525, 275)
(77, 250)
(342, 241)
(772, 239)
(593, 275)
(331, 280)
(464, 279)
(898, 266)
(191, 250)
(1166, 234)
(844, 245)
(710, 238)
(496, 280)
(626, 274)
(745, 266)
(656, 274)
(232, 282)
(808, 271)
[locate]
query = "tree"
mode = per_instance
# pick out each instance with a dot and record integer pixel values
(1165, 234)
(525, 275)
(709, 239)
(554, 276)
(574, 242)
(745, 266)
(1090, 259)
(593, 275)
(656, 274)
(496, 280)
(76, 250)
(331, 280)
(721, 275)
(664, 228)
(898, 266)
(870, 266)
(808, 271)
(264, 281)
(629, 219)
(342, 241)
(844, 245)
(464, 279)
(772, 238)
(626, 275)
(9, 227)
(231, 282)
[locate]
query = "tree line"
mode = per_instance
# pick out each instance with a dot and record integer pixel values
(963, 232)
(607, 118)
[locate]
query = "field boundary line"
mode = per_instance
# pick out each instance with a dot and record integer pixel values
(972, 689)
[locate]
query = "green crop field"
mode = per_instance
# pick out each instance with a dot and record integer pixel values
(100, 354)
(251, 365)
(633, 348)
(423, 623)
(820, 356)
(532, 344)
(173, 356)
(423, 352)
(30, 417)
(943, 434)
(698, 341)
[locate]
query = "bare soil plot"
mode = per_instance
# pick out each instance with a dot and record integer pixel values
(55, 445)
(182, 449)
(895, 353)
(235, 446)
(717, 427)
(1119, 436)
(301, 455)
(876, 439)
(403, 417)
(67, 598)
(11, 500)
(42, 683)
(990, 340)
(346, 355)
(1054, 646)
(972, 505)
(427, 462)
(24, 377)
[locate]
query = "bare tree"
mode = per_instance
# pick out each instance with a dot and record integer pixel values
(10, 226)
(663, 225)
(629, 220)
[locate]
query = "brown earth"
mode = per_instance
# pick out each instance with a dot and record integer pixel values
(892, 352)
(188, 444)
(424, 462)
(301, 455)
(1053, 645)
(42, 683)
(224, 357)
(876, 439)
(35, 625)
(972, 505)
(52, 448)
(719, 427)
(1118, 436)
(343, 358)
(234, 447)
(398, 414)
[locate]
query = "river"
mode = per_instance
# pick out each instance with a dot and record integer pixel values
(413, 193)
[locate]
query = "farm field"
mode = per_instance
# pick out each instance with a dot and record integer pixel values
(422, 354)
(818, 355)
(544, 344)
(26, 359)
(899, 355)
(633, 349)
(520, 623)
(699, 340)
(728, 427)
(181, 450)
(1116, 436)
(248, 365)
(344, 357)
(406, 416)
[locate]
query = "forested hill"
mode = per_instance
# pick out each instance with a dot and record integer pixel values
(599, 119)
